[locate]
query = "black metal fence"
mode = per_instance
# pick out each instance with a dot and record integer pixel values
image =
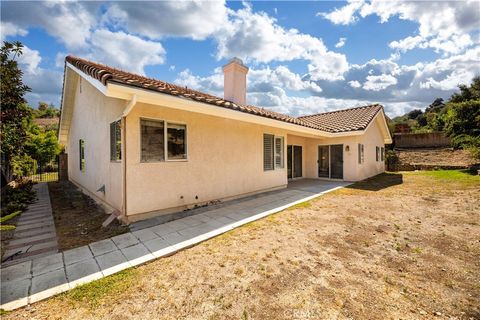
(44, 173)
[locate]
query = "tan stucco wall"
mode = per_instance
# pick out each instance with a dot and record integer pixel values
(371, 139)
(225, 159)
(92, 115)
(299, 141)
(352, 170)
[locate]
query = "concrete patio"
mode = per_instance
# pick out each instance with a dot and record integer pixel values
(37, 279)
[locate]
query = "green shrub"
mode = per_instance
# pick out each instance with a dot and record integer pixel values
(10, 216)
(391, 159)
(7, 227)
(23, 165)
(467, 142)
(17, 198)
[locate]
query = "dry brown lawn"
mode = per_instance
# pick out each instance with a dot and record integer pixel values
(400, 246)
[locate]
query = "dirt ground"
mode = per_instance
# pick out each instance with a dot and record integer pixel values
(400, 246)
(437, 156)
(78, 219)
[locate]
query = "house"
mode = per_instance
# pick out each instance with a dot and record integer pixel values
(145, 147)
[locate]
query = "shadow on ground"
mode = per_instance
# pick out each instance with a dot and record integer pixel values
(379, 182)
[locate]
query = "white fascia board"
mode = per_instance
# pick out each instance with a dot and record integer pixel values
(162, 99)
(387, 139)
(94, 82)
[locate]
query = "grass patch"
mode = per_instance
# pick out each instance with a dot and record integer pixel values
(303, 205)
(92, 293)
(462, 176)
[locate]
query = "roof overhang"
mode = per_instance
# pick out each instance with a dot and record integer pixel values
(126, 92)
(381, 120)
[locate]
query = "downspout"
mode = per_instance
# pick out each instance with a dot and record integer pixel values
(125, 113)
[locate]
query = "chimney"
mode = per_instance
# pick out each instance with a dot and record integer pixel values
(235, 81)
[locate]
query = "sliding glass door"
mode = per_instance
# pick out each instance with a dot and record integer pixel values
(294, 161)
(330, 161)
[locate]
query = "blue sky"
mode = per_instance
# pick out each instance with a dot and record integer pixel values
(304, 57)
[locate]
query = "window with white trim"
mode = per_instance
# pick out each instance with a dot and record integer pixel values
(162, 141)
(377, 153)
(382, 153)
(115, 141)
(361, 157)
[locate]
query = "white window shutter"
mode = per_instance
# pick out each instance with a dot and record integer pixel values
(279, 152)
(268, 152)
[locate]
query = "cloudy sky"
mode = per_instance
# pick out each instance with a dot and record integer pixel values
(304, 57)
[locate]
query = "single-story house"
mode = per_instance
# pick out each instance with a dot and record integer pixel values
(145, 147)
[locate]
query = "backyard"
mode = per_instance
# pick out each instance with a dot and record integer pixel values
(400, 245)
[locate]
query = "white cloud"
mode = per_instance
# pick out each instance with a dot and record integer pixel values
(354, 84)
(70, 22)
(345, 15)
(46, 84)
(125, 51)
(443, 26)
(257, 37)
(29, 60)
(341, 42)
(381, 82)
(406, 44)
(9, 29)
(264, 80)
(194, 19)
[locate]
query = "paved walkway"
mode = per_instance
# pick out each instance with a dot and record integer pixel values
(35, 234)
(41, 278)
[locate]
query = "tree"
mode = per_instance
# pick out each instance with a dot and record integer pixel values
(462, 119)
(414, 114)
(437, 105)
(14, 111)
(467, 93)
(46, 111)
(41, 145)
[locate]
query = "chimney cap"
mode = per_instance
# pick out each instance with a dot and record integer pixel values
(236, 61)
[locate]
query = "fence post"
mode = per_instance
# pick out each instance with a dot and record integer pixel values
(63, 166)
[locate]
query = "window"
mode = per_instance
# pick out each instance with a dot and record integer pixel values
(152, 140)
(115, 141)
(268, 152)
(360, 153)
(279, 162)
(159, 139)
(176, 141)
(382, 153)
(81, 144)
(273, 152)
(377, 153)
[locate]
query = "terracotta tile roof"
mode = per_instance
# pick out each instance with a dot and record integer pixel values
(106, 74)
(344, 120)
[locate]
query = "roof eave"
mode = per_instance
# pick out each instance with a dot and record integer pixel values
(122, 91)
(126, 92)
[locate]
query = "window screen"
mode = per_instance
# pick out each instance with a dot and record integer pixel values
(377, 153)
(176, 141)
(152, 140)
(115, 141)
(81, 153)
(268, 152)
(279, 152)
